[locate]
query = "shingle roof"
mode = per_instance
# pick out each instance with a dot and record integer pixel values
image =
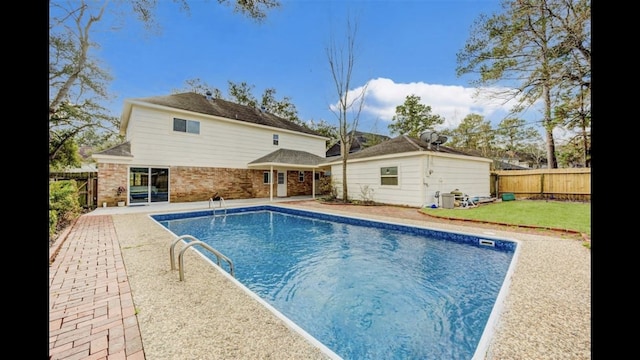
(290, 157)
(217, 107)
(123, 149)
(400, 144)
(501, 165)
(360, 141)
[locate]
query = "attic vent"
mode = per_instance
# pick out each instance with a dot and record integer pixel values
(209, 97)
(263, 109)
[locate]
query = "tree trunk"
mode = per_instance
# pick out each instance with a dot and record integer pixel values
(345, 155)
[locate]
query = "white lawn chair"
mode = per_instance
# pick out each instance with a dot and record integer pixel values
(466, 202)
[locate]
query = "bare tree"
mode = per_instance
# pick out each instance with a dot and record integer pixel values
(341, 63)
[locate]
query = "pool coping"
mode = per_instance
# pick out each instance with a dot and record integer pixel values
(490, 327)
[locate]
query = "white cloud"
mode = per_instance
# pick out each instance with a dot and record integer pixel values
(453, 102)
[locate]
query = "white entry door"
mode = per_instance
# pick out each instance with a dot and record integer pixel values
(282, 184)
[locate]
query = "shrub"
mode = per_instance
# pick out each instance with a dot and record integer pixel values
(53, 223)
(366, 194)
(64, 205)
(325, 186)
(328, 190)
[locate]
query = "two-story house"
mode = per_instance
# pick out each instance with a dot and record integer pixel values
(187, 147)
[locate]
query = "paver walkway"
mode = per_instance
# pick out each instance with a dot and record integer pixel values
(91, 311)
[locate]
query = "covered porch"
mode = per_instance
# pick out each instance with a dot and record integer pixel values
(289, 165)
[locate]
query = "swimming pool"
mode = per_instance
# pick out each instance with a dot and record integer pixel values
(363, 288)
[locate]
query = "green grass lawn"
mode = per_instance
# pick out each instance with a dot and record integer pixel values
(549, 214)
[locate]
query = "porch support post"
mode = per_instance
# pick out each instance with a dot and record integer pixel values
(271, 183)
(313, 183)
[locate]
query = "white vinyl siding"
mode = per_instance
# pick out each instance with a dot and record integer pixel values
(221, 143)
(419, 177)
(470, 177)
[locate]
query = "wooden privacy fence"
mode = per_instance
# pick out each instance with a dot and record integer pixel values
(561, 184)
(87, 183)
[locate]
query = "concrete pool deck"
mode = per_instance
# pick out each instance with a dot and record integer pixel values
(113, 295)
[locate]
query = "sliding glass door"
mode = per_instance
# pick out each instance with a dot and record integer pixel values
(148, 185)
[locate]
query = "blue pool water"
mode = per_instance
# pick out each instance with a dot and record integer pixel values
(365, 289)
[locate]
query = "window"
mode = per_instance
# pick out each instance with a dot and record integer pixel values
(389, 175)
(147, 184)
(266, 177)
(276, 139)
(188, 126)
(301, 176)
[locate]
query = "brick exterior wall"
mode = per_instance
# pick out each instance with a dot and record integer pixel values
(199, 184)
(187, 184)
(110, 177)
(295, 187)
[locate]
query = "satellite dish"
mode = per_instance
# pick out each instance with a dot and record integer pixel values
(429, 136)
(425, 136)
(432, 138)
(441, 139)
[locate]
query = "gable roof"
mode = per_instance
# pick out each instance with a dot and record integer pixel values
(198, 103)
(360, 141)
(123, 149)
(288, 157)
(400, 144)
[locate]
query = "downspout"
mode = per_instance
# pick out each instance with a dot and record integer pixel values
(423, 188)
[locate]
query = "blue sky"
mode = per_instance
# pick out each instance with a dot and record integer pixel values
(403, 47)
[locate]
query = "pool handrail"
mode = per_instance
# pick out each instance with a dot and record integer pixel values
(195, 241)
(221, 203)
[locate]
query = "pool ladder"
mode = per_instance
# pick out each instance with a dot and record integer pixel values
(194, 241)
(221, 204)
